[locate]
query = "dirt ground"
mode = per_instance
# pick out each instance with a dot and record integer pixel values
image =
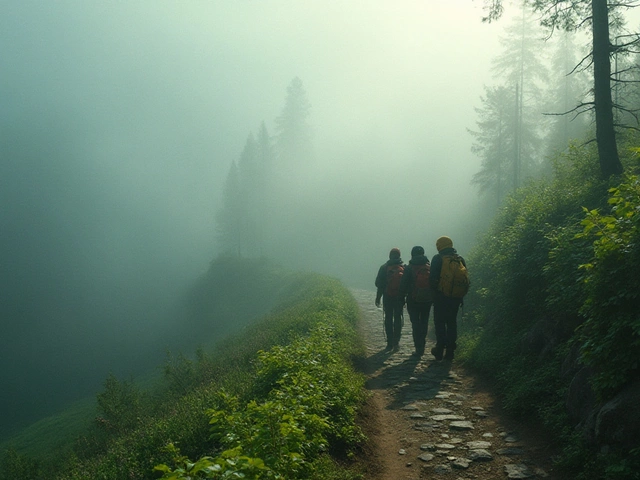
(432, 419)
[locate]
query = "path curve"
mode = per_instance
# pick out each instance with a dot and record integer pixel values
(430, 419)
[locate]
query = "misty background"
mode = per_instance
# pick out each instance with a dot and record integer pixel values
(119, 122)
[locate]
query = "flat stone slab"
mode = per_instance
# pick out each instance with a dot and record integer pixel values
(442, 418)
(461, 463)
(480, 455)
(417, 415)
(477, 444)
(462, 425)
(426, 457)
(441, 411)
(445, 446)
(410, 408)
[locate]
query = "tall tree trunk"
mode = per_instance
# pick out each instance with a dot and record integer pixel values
(605, 133)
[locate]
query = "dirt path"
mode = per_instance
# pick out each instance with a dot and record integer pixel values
(430, 419)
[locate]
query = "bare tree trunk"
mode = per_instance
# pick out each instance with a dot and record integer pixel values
(605, 133)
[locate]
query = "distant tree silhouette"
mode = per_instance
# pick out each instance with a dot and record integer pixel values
(229, 218)
(293, 132)
(520, 68)
(494, 141)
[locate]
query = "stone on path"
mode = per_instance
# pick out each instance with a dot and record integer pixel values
(461, 425)
(442, 469)
(442, 418)
(426, 457)
(461, 463)
(518, 471)
(480, 455)
(477, 444)
(510, 451)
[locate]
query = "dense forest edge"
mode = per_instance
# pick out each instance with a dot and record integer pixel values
(278, 399)
(553, 318)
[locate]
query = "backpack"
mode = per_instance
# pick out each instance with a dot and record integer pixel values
(421, 287)
(394, 276)
(454, 277)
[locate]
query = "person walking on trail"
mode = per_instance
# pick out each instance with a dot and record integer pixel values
(388, 289)
(416, 290)
(449, 282)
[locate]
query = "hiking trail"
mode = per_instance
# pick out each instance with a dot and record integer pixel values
(430, 419)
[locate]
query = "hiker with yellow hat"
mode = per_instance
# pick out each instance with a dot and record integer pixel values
(449, 281)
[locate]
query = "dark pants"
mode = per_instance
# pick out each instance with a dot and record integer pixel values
(445, 316)
(419, 316)
(392, 320)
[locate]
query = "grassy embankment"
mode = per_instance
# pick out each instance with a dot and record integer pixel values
(279, 399)
(555, 290)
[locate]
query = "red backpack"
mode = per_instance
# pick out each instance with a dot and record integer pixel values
(394, 276)
(421, 287)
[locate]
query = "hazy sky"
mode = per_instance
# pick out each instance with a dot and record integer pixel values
(119, 120)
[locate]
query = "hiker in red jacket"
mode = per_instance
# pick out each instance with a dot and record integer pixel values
(417, 292)
(388, 289)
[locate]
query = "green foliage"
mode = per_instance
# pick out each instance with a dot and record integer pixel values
(14, 465)
(306, 402)
(119, 406)
(552, 271)
(610, 335)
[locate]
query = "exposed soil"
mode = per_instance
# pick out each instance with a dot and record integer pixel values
(432, 419)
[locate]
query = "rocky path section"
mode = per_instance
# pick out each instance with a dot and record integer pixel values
(433, 420)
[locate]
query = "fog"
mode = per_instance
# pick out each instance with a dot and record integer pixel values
(118, 125)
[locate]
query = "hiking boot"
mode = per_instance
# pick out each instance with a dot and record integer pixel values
(437, 352)
(448, 355)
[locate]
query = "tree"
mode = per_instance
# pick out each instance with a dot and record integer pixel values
(229, 218)
(293, 133)
(494, 141)
(520, 67)
(570, 16)
(566, 90)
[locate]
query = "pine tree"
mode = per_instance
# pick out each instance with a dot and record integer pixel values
(293, 132)
(494, 141)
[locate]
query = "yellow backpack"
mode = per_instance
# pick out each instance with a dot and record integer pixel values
(454, 277)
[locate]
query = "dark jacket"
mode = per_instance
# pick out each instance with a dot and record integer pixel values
(436, 266)
(406, 285)
(381, 278)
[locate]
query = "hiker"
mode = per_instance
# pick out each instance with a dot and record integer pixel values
(388, 288)
(449, 283)
(416, 290)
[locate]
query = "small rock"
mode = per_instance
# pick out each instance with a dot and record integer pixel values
(518, 471)
(441, 411)
(461, 463)
(402, 451)
(481, 414)
(409, 407)
(426, 457)
(463, 425)
(417, 415)
(442, 469)
(442, 418)
(510, 438)
(445, 446)
(477, 408)
(487, 435)
(427, 446)
(477, 444)
(480, 455)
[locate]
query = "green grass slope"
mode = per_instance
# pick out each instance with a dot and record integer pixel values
(309, 336)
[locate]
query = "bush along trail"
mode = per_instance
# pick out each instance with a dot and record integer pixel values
(431, 419)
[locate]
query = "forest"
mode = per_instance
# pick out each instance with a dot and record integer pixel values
(547, 215)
